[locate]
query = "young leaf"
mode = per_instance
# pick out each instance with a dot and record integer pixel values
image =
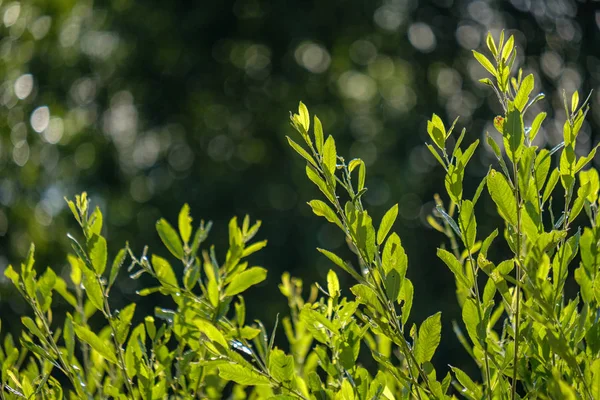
(468, 224)
(169, 238)
(490, 44)
(386, 223)
(340, 263)
(407, 292)
(513, 134)
(98, 253)
(93, 288)
(535, 125)
(367, 296)
(392, 284)
(329, 154)
(323, 210)
(300, 150)
(116, 266)
(316, 179)
(185, 223)
(574, 101)
(242, 375)
(318, 129)
(304, 116)
(103, 347)
(485, 63)
(245, 279)
(123, 323)
(333, 284)
(211, 332)
(525, 90)
(454, 265)
(429, 337)
(164, 272)
(437, 131)
(502, 195)
(281, 366)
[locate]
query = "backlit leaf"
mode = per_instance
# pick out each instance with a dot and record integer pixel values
(430, 334)
(386, 223)
(169, 238)
(245, 279)
(103, 347)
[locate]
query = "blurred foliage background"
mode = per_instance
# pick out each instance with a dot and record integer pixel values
(150, 104)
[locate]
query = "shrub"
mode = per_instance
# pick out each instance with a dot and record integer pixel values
(526, 337)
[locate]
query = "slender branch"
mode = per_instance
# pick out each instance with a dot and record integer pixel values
(518, 277)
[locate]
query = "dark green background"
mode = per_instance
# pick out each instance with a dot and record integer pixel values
(167, 102)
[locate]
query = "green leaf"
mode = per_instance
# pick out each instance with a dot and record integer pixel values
(245, 279)
(169, 238)
(490, 44)
(430, 334)
(386, 223)
(333, 284)
(367, 296)
(318, 129)
(93, 288)
(98, 253)
(454, 265)
(317, 180)
(437, 131)
(164, 272)
(525, 90)
(340, 263)
(485, 63)
(304, 116)
(392, 284)
(321, 209)
(300, 150)
(502, 195)
(11, 274)
(468, 224)
(513, 134)
(185, 223)
(242, 375)
(254, 247)
(448, 220)
(95, 226)
(508, 48)
(329, 154)
(33, 328)
(116, 266)
(471, 319)
(281, 366)
(550, 185)
(574, 101)
(394, 256)
(69, 337)
(406, 296)
(103, 347)
(536, 125)
(436, 155)
(123, 323)
(73, 210)
(471, 389)
(211, 332)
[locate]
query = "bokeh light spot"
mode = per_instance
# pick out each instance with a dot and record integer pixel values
(421, 37)
(40, 117)
(313, 57)
(23, 86)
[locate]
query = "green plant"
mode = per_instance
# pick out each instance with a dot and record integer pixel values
(527, 338)
(522, 331)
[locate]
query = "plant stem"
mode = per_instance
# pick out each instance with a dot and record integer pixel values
(518, 276)
(121, 358)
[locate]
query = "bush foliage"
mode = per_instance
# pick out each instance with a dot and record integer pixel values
(528, 338)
